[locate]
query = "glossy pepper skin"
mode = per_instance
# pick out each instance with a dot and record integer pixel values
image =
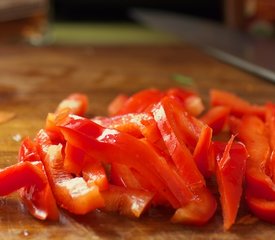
(230, 160)
(39, 199)
(156, 148)
(112, 146)
(72, 193)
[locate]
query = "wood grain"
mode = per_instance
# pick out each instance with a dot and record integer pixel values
(34, 80)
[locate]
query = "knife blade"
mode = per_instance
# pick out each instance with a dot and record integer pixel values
(253, 54)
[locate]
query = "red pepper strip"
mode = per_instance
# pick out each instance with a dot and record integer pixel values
(112, 146)
(252, 133)
(129, 123)
(117, 104)
(40, 202)
(270, 122)
(231, 161)
(14, 177)
(189, 127)
(140, 101)
(73, 194)
(28, 151)
(270, 125)
(262, 208)
(159, 199)
(74, 159)
(77, 162)
(126, 201)
(77, 103)
(94, 173)
(121, 175)
(201, 152)
(216, 118)
(198, 211)
(138, 125)
(237, 105)
(30, 177)
(234, 124)
(166, 115)
(190, 101)
(106, 151)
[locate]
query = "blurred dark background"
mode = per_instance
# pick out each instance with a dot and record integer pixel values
(118, 10)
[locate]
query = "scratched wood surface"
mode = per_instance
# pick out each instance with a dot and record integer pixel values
(34, 80)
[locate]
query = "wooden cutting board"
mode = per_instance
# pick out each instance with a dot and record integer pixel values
(34, 80)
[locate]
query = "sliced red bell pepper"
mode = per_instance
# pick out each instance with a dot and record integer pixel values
(270, 122)
(237, 105)
(80, 164)
(117, 104)
(129, 123)
(252, 132)
(122, 175)
(71, 193)
(202, 152)
(140, 101)
(74, 159)
(14, 177)
(216, 118)
(230, 170)
(166, 115)
(77, 103)
(112, 146)
(39, 201)
(126, 201)
(190, 101)
(234, 124)
(94, 173)
(136, 124)
(262, 208)
(270, 126)
(187, 126)
(31, 181)
(197, 212)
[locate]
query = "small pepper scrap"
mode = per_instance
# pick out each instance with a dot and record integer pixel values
(156, 148)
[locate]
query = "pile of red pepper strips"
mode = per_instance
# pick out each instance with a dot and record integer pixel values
(156, 148)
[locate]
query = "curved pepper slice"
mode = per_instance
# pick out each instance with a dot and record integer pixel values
(40, 202)
(262, 208)
(14, 177)
(216, 118)
(77, 103)
(140, 125)
(252, 132)
(110, 146)
(167, 114)
(189, 100)
(231, 162)
(30, 179)
(202, 152)
(237, 105)
(126, 201)
(270, 125)
(140, 101)
(117, 104)
(71, 193)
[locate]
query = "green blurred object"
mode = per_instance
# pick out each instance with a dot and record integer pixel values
(182, 79)
(107, 33)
